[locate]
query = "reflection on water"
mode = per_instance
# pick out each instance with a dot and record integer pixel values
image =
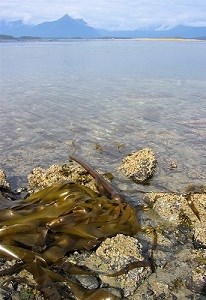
(57, 98)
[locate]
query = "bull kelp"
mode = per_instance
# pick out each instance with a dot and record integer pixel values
(42, 229)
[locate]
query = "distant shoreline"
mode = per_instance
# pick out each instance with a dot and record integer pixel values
(6, 38)
(170, 39)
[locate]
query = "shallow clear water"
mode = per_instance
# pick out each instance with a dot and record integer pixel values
(61, 97)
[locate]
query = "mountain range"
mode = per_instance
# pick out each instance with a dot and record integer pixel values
(67, 27)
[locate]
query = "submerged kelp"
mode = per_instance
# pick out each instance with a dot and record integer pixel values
(40, 230)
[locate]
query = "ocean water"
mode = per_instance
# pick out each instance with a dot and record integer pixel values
(102, 100)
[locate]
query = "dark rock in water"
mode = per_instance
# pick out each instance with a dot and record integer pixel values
(197, 282)
(6, 194)
(4, 202)
(198, 244)
(8, 198)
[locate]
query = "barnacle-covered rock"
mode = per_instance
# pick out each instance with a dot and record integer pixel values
(3, 180)
(199, 201)
(41, 178)
(113, 255)
(187, 210)
(181, 275)
(139, 165)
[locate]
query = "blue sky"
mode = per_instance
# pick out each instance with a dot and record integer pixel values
(110, 14)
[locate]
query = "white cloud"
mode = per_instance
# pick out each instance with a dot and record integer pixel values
(114, 14)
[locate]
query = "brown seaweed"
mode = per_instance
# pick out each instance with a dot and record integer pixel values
(108, 188)
(192, 206)
(40, 230)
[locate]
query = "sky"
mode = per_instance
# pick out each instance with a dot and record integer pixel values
(109, 14)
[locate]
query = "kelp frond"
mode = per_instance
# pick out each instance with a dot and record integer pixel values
(41, 229)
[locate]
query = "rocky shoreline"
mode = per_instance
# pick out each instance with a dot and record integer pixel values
(171, 241)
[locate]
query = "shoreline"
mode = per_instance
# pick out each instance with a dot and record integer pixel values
(169, 225)
(32, 39)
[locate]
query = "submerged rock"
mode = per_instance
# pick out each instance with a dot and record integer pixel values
(139, 165)
(181, 275)
(182, 210)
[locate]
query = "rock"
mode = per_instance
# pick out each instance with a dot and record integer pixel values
(3, 180)
(177, 210)
(172, 165)
(41, 178)
(197, 282)
(88, 281)
(181, 275)
(6, 195)
(139, 165)
(113, 255)
(199, 201)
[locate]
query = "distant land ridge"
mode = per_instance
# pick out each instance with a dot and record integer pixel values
(67, 27)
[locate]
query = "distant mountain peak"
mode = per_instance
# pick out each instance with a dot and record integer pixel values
(65, 27)
(65, 17)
